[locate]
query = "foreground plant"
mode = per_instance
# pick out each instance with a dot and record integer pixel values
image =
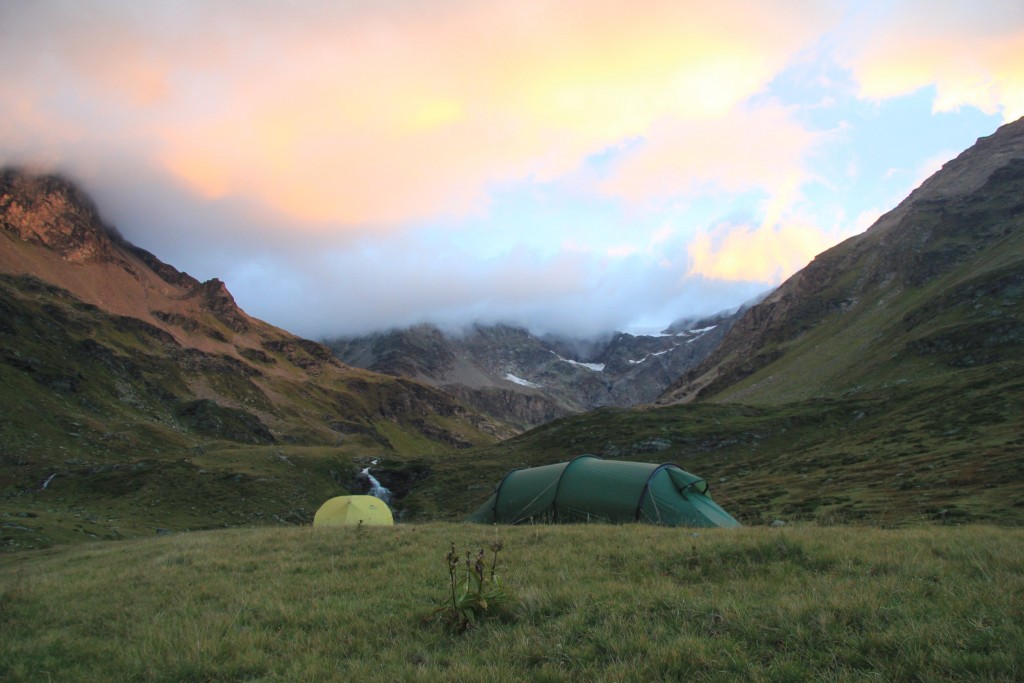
(476, 591)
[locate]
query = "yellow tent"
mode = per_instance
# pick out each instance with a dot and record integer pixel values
(350, 510)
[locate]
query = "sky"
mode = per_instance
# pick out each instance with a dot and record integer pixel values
(572, 166)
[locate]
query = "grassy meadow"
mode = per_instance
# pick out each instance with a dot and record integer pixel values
(591, 603)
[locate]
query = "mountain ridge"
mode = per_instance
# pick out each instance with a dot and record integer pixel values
(101, 268)
(54, 232)
(527, 379)
(921, 241)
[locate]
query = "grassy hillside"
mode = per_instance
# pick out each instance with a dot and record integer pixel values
(904, 455)
(591, 603)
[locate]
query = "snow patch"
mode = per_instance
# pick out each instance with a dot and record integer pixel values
(520, 381)
(596, 367)
(697, 334)
(655, 353)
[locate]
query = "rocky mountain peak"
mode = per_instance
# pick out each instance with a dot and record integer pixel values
(961, 176)
(129, 345)
(215, 297)
(51, 211)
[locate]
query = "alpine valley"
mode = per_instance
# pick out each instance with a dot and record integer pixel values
(882, 384)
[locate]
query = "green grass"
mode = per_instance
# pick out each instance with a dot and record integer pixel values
(220, 485)
(593, 603)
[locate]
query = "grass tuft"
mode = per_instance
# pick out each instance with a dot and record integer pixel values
(476, 591)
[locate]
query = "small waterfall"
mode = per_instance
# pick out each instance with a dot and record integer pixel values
(376, 488)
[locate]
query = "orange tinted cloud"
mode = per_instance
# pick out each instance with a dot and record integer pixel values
(756, 148)
(972, 53)
(758, 254)
(407, 114)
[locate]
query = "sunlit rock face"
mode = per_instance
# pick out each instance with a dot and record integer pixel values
(50, 211)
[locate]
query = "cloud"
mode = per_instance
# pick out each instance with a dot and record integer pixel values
(766, 253)
(343, 115)
(570, 292)
(747, 148)
(971, 53)
(565, 164)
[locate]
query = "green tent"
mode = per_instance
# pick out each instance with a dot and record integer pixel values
(589, 489)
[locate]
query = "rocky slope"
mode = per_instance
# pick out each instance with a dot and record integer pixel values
(933, 287)
(519, 377)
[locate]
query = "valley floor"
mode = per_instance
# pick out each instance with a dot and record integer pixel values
(591, 603)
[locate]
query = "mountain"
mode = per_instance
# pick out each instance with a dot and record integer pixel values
(932, 290)
(524, 379)
(882, 384)
(137, 397)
